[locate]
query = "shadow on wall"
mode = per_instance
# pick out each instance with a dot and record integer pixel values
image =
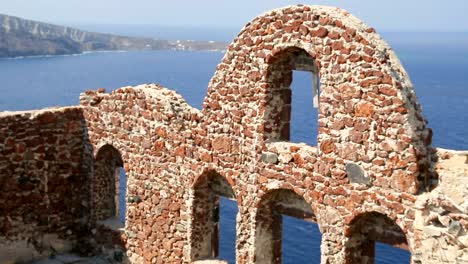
(107, 185)
(44, 200)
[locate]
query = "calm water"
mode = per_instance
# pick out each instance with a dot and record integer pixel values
(437, 64)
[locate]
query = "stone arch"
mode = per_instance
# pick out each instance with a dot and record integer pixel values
(105, 184)
(270, 209)
(368, 104)
(279, 98)
(368, 228)
(207, 190)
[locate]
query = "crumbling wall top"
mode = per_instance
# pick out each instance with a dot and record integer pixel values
(158, 95)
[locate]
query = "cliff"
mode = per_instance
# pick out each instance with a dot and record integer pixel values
(21, 37)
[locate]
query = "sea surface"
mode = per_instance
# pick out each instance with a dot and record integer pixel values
(437, 64)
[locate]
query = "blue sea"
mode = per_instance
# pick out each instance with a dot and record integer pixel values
(437, 64)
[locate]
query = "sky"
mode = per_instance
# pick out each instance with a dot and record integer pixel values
(389, 15)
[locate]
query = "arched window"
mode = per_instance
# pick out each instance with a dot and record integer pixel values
(108, 186)
(293, 98)
(277, 212)
(375, 238)
(212, 195)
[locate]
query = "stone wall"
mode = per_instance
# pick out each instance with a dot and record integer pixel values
(43, 201)
(373, 150)
(151, 128)
(373, 176)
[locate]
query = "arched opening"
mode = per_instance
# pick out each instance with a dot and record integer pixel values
(109, 187)
(279, 212)
(213, 207)
(375, 238)
(293, 97)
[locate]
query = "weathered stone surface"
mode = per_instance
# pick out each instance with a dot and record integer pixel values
(269, 157)
(441, 212)
(454, 228)
(356, 174)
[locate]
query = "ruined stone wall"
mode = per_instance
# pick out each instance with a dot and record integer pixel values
(372, 160)
(43, 201)
(105, 187)
(369, 119)
(372, 176)
(152, 128)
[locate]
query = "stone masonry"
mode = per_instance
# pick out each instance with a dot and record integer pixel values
(373, 175)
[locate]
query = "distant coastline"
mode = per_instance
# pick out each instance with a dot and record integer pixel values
(61, 55)
(99, 51)
(26, 38)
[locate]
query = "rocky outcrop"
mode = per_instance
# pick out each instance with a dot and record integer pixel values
(441, 220)
(20, 37)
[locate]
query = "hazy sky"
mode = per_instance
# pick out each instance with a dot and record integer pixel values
(389, 15)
